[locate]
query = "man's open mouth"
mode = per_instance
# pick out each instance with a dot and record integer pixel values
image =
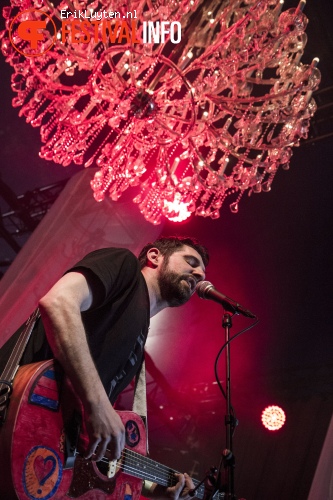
(191, 283)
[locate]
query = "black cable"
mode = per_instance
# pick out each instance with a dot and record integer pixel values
(217, 361)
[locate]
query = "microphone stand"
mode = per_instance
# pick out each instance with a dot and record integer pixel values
(228, 459)
(224, 481)
(206, 290)
(222, 484)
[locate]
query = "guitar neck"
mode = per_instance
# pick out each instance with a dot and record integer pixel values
(16, 354)
(12, 365)
(143, 467)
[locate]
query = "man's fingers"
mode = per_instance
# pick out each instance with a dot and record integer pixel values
(119, 443)
(110, 448)
(101, 450)
(107, 435)
(118, 451)
(188, 481)
(189, 486)
(97, 449)
(179, 486)
(184, 485)
(92, 449)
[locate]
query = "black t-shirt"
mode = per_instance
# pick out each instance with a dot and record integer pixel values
(117, 322)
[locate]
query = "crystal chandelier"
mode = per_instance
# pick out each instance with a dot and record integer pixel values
(191, 121)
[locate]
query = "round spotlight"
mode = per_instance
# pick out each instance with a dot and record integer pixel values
(273, 418)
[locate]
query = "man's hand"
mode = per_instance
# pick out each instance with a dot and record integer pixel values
(105, 432)
(180, 490)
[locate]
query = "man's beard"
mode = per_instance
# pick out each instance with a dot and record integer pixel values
(172, 287)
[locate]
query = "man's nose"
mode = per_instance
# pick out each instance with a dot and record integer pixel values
(199, 274)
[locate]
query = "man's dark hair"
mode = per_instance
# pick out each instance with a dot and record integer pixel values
(170, 244)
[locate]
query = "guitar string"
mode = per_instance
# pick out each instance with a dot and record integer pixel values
(132, 463)
(164, 481)
(132, 457)
(152, 470)
(169, 478)
(134, 460)
(171, 481)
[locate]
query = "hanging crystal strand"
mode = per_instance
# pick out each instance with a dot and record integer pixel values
(37, 121)
(234, 207)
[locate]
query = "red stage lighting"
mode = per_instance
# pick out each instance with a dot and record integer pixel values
(273, 418)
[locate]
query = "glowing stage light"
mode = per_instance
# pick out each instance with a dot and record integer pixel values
(273, 418)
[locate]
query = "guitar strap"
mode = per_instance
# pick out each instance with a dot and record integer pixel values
(140, 396)
(13, 363)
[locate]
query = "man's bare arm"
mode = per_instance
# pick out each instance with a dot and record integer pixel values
(61, 311)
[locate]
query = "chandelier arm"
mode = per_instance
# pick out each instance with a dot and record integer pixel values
(229, 32)
(251, 100)
(111, 63)
(181, 120)
(173, 132)
(169, 62)
(176, 53)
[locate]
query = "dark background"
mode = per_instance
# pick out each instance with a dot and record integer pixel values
(275, 258)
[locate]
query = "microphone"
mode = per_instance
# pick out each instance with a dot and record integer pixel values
(206, 290)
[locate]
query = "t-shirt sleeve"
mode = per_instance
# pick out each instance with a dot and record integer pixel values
(108, 271)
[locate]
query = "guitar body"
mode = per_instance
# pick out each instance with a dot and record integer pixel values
(34, 444)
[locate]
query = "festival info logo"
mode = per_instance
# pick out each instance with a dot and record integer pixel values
(32, 33)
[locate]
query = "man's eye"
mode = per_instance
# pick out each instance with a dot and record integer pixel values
(191, 262)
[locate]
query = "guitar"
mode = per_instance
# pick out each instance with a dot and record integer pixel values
(39, 444)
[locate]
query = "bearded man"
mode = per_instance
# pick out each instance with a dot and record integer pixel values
(95, 322)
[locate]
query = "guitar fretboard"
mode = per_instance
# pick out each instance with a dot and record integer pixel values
(143, 467)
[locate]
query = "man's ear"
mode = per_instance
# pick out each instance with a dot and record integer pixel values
(154, 257)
